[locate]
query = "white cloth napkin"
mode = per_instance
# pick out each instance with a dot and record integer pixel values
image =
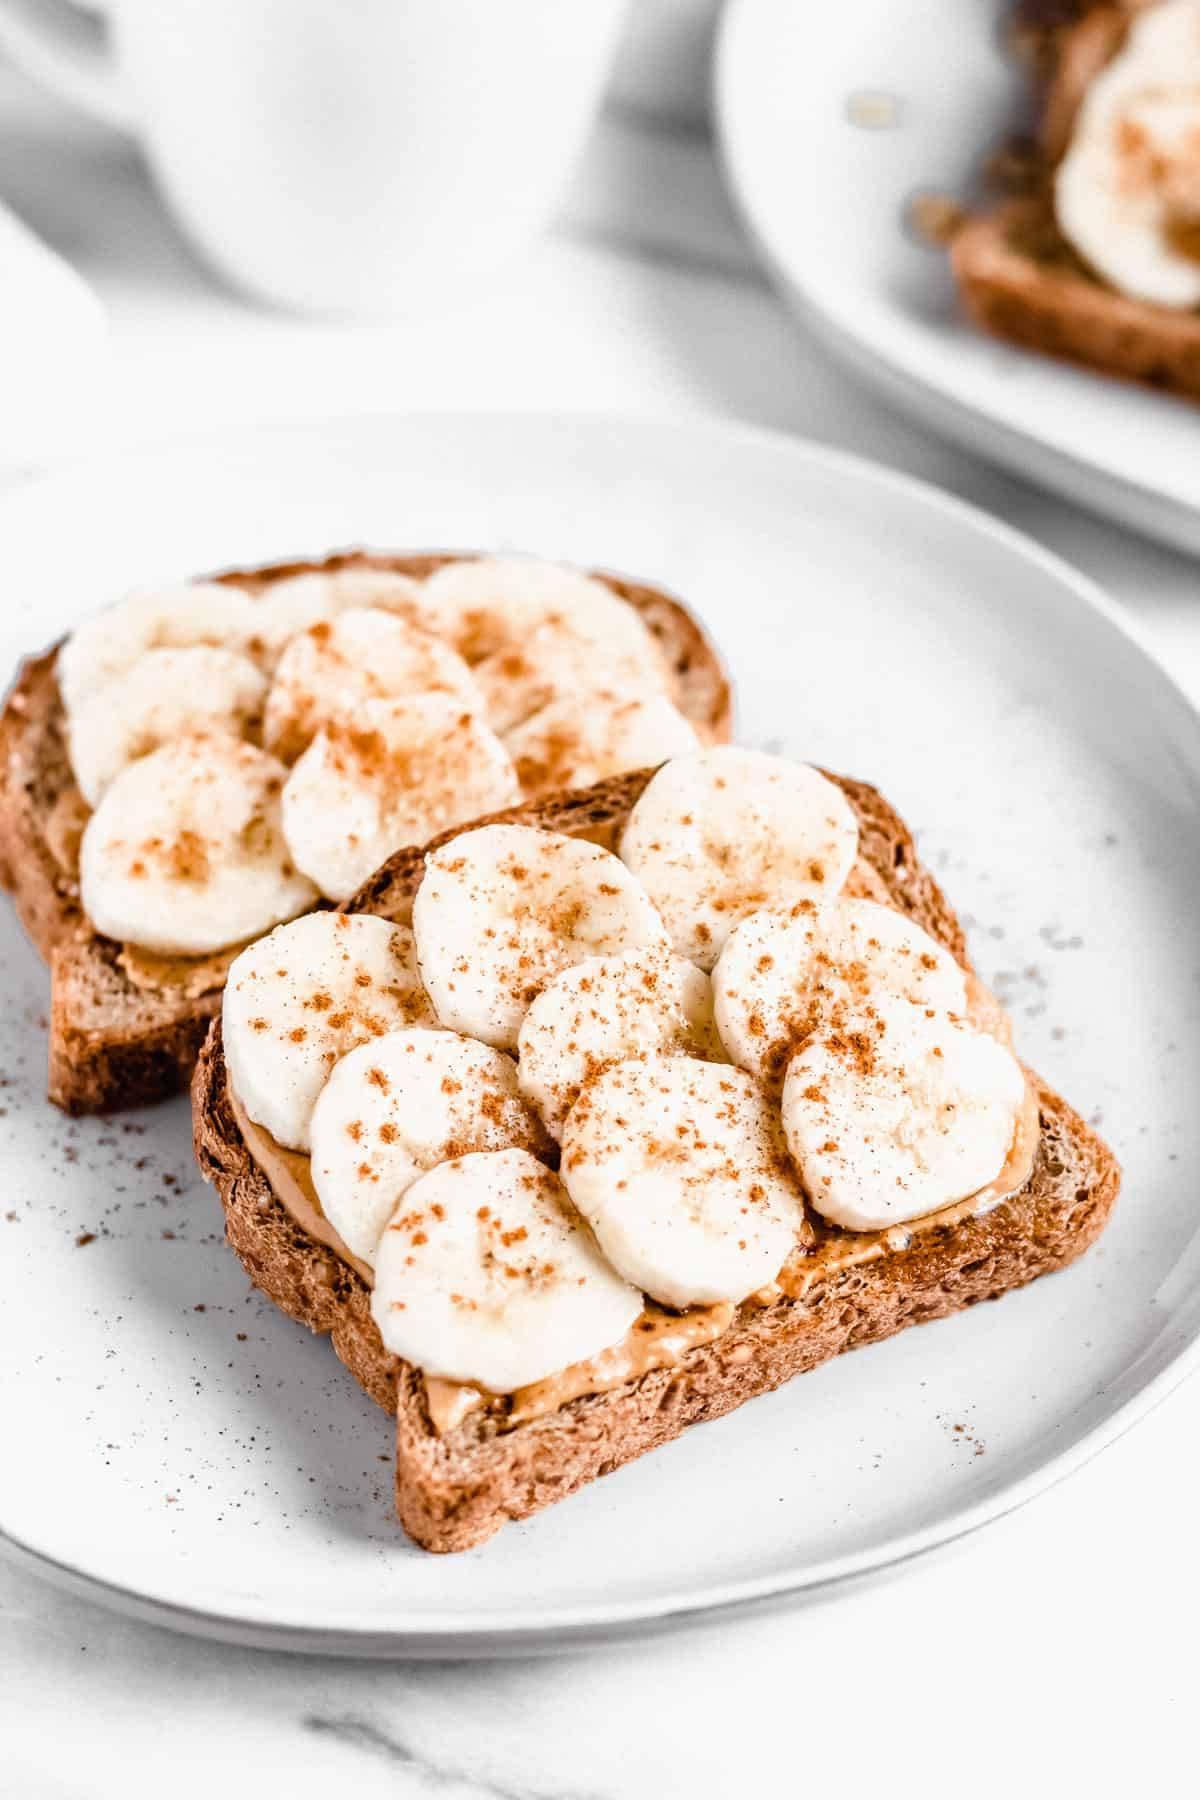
(53, 349)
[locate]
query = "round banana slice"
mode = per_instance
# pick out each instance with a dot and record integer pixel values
(502, 910)
(399, 773)
(327, 673)
(395, 1108)
(303, 997)
(487, 1274)
(578, 740)
(1127, 192)
(494, 603)
(298, 602)
(175, 618)
(165, 694)
(606, 1010)
(574, 661)
(898, 1112)
(386, 589)
(185, 853)
(727, 832)
(681, 1170)
(782, 973)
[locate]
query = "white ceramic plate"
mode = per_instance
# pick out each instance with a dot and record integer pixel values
(178, 1446)
(832, 118)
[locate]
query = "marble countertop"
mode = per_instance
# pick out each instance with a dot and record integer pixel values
(1054, 1641)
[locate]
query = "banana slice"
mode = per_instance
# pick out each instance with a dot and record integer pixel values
(328, 672)
(164, 695)
(573, 659)
(175, 618)
(487, 1274)
(185, 855)
(1127, 193)
(606, 1010)
(493, 603)
(395, 1108)
(727, 832)
(681, 1170)
(303, 997)
(575, 741)
(898, 1112)
(780, 973)
(502, 910)
(399, 773)
(298, 602)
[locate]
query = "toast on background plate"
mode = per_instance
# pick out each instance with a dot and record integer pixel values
(824, 1140)
(1092, 250)
(334, 695)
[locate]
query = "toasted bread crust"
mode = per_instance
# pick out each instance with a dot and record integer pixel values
(33, 773)
(453, 1492)
(1056, 307)
(112, 1044)
(1018, 278)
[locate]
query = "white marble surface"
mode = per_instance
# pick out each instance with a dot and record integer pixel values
(1056, 1647)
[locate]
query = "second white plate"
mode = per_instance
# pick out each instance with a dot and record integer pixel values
(832, 119)
(182, 1449)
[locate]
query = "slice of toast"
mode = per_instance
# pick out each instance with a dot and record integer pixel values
(116, 1042)
(1018, 277)
(454, 1490)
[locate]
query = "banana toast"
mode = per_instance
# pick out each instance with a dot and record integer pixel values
(1019, 275)
(125, 1028)
(460, 1475)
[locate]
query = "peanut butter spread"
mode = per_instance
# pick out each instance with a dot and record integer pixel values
(190, 976)
(290, 1175)
(660, 1338)
(450, 1402)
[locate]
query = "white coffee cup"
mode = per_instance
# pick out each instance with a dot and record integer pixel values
(343, 156)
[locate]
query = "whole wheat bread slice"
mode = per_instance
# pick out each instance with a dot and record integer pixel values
(454, 1491)
(1018, 277)
(116, 1044)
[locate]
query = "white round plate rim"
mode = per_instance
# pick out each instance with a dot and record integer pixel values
(866, 342)
(1168, 1360)
(428, 1636)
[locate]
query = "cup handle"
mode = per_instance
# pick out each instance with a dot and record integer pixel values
(66, 49)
